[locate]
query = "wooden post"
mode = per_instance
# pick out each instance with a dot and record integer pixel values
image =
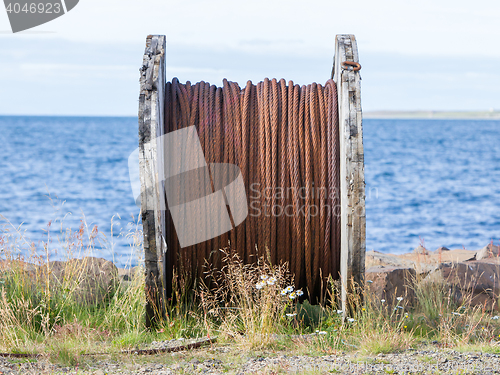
(151, 126)
(352, 176)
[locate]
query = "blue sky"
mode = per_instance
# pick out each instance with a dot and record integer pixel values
(426, 55)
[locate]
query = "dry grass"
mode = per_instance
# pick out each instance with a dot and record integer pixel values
(246, 306)
(250, 302)
(40, 304)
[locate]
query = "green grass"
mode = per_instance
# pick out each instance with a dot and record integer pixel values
(43, 314)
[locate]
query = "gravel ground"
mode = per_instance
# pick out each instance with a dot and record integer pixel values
(229, 361)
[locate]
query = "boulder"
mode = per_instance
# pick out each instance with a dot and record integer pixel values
(425, 263)
(97, 278)
(455, 255)
(475, 281)
(127, 274)
(421, 250)
(422, 265)
(489, 251)
(91, 280)
(389, 283)
(441, 249)
(375, 258)
(9, 265)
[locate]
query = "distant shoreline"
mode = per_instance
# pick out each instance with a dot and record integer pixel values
(441, 115)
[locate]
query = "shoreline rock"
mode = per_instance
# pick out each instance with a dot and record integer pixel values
(390, 283)
(471, 275)
(93, 280)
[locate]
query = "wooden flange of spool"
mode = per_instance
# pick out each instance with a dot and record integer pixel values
(352, 174)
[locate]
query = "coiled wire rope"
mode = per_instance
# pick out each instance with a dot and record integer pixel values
(285, 140)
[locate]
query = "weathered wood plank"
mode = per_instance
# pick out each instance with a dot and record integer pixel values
(352, 181)
(151, 113)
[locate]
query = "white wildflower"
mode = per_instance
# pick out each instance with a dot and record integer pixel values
(260, 285)
(289, 289)
(369, 281)
(495, 317)
(264, 277)
(399, 299)
(284, 292)
(292, 295)
(271, 281)
(321, 333)
(339, 312)
(290, 315)
(455, 313)
(299, 293)
(351, 320)
(382, 300)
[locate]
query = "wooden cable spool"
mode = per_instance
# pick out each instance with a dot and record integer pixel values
(157, 226)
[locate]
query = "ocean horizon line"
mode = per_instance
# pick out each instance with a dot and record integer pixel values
(371, 114)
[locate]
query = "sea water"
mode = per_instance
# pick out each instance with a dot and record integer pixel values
(427, 181)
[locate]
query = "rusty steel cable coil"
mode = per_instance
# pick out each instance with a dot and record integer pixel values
(285, 140)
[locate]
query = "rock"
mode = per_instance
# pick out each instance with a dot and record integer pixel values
(457, 255)
(176, 366)
(411, 260)
(389, 283)
(127, 274)
(92, 280)
(421, 250)
(10, 265)
(475, 281)
(441, 249)
(489, 251)
(100, 278)
(423, 264)
(374, 258)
